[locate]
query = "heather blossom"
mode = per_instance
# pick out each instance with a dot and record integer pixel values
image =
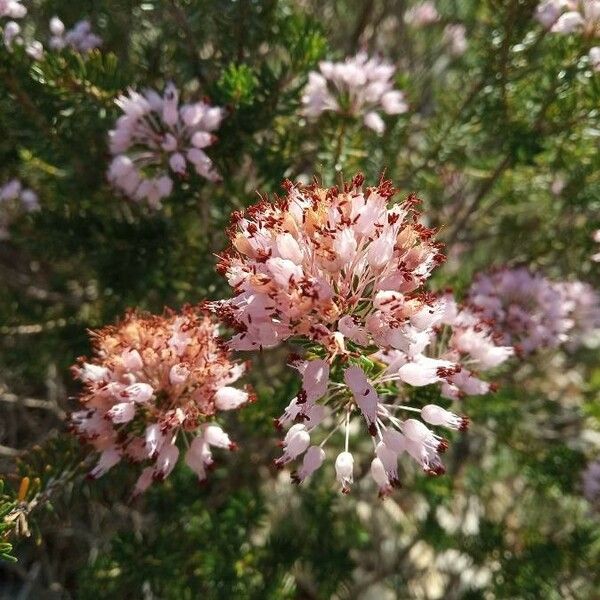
(155, 383)
(158, 138)
(14, 200)
(358, 87)
(570, 16)
(548, 11)
(12, 9)
(80, 38)
(531, 312)
(341, 272)
(422, 14)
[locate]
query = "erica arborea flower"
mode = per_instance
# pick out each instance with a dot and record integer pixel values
(570, 16)
(156, 384)
(157, 139)
(527, 309)
(341, 271)
(80, 38)
(359, 87)
(12, 9)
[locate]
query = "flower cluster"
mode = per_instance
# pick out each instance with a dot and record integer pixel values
(358, 87)
(13, 9)
(422, 14)
(157, 137)
(525, 308)
(80, 38)
(342, 272)
(154, 379)
(14, 199)
(530, 312)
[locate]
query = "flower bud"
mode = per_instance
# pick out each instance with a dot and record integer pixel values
(230, 398)
(344, 466)
(215, 436)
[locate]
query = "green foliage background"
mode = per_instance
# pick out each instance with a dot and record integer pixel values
(486, 136)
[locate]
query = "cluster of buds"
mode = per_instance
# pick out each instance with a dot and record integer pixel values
(15, 199)
(80, 38)
(342, 272)
(531, 312)
(358, 87)
(156, 138)
(155, 381)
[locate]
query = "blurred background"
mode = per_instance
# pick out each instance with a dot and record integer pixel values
(499, 140)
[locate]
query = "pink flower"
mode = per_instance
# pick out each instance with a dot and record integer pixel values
(80, 38)
(342, 272)
(156, 139)
(351, 244)
(313, 459)
(569, 22)
(570, 16)
(525, 308)
(143, 393)
(360, 87)
(548, 11)
(529, 311)
(422, 14)
(436, 415)
(12, 9)
(380, 476)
